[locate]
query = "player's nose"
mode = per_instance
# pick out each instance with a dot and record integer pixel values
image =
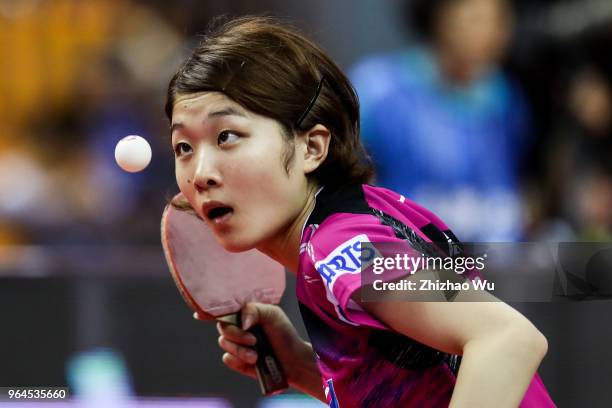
(206, 173)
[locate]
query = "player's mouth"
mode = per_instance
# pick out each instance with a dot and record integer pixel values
(217, 213)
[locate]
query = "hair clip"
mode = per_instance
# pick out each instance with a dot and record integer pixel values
(298, 123)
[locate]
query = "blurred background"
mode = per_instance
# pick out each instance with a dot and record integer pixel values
(495, 114)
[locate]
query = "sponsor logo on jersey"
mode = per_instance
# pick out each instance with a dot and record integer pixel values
(349, 257)
(346, 258)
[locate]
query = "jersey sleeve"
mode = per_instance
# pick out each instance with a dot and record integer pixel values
(340, 250)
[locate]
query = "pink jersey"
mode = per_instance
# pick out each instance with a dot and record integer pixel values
(364, 363)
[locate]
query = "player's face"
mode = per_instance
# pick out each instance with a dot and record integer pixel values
(230, 167)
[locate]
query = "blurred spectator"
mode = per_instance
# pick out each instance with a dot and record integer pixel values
(590, 103)
(83, 75)
(443, 123)
(580, 159)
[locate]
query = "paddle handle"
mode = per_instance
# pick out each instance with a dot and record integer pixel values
(272, 379)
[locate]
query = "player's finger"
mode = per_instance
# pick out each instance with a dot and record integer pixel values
(257, 313)
(246, 354)
(238, 365)
(236, 334)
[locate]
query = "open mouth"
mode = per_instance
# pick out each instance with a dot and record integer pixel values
(218, 212)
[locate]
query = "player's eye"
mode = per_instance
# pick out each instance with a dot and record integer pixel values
(226, 137)
(181, 149)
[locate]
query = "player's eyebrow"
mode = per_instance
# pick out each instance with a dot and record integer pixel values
(227, 111)
(175, 126)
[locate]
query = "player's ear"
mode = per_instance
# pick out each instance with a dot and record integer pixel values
(314, 145)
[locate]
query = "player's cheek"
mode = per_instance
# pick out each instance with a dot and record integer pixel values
(182, 179)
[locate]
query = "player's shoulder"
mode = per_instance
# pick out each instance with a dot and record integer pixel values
(364, 213)
(346, 215)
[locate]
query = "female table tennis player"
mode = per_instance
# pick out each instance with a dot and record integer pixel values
(265, 130)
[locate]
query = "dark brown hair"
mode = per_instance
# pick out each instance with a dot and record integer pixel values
(271, 69)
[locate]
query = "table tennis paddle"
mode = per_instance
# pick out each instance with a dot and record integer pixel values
(217, 284)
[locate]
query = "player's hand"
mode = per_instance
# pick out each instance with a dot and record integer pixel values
(237, 342)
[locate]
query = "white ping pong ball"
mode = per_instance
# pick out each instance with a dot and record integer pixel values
(133, 153)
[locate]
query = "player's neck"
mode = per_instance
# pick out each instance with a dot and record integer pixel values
(284, 247)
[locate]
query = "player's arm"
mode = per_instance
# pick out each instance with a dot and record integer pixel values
(501, 349)
(295, 355)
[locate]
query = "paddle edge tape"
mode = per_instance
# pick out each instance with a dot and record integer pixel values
(168, 210)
